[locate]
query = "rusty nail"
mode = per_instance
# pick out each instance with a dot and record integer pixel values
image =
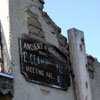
(86, 98)
(81, 47)
(86, 85)
(82, 40)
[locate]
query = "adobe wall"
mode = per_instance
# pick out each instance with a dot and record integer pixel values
(94, 73)
(27, 16)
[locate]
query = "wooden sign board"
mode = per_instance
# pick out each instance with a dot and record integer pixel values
(43, 63)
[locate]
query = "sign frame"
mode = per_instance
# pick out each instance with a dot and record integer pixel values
(45, 75)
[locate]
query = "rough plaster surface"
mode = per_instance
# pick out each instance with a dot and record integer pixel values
(94, 71)
(24, 90)
(14, 22)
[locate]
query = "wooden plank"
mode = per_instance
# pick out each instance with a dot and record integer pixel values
(79, 63)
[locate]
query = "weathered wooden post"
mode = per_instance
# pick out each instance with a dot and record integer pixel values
(79, 64)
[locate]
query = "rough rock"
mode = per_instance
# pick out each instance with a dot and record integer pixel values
(35, 31)
(34, 22)
(34, 25)
(33, 15)
(62, 40)
(90, 65)
(50, 22)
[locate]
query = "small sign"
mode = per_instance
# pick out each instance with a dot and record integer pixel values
(43, 63)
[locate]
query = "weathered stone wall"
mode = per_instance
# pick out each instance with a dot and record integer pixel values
(94, 72)
(27, 16)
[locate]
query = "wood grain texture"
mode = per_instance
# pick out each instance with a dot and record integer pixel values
(78, 62)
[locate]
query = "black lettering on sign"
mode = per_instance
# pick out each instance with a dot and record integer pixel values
(43, 63)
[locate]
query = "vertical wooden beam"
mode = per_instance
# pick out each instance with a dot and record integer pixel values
(79, 64)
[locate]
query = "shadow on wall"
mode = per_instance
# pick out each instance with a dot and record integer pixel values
(5, 82)
(6, 68)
